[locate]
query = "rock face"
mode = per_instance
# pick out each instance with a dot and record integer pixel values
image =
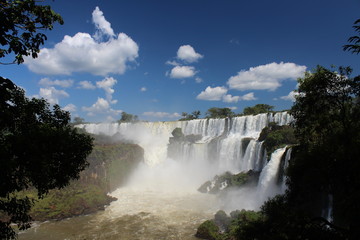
(109, 166)
(227, 180)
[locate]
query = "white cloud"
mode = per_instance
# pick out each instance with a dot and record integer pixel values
(103, 27)
(290, 96)
(233, 108)
(86, 85)
(230, 99)
(61, 83)
(248, 97)
(107, 84)
(188, 54)
(198, 80)
(212, 94)
(143, 89)
(172, 63)
(182, 72)
(266, 77)
(82, 53)
(162, 114)
(70, 108)
(101, 106)
(234, 99)
(52, 95)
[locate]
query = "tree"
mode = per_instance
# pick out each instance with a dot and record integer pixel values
(354, 47)
(215, 112)
(323, 170)
(196, 114)
(38, 149)
(78, 120)
(126, 117)
(257, 109)
(193, 115)
(21, 22)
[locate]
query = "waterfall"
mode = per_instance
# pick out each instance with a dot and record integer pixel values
(267, 185)
(215, 146)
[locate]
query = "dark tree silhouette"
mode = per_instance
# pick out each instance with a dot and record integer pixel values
(354, 46)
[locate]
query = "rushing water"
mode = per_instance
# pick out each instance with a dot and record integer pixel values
(160, 201)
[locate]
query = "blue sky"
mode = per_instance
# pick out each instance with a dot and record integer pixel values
(157, 59)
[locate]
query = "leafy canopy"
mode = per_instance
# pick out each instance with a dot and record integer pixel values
(38, 148)
(257, 109)
(354, 41)
(215, 112)
(21, 21)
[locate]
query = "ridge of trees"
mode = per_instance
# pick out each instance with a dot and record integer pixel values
(39, 148)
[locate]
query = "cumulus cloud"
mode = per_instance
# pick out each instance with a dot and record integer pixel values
(86, 85)
(70, 107)
(143, 89)
(212, 94)
(188, 54)
(52, 95)
(248, 97)
(107, 84)
(230, 99)
(84, 53)
(266, 77)
(101, 106)
(103, 27)
(234, 99)
(290, 96)
(61, 83)
(161, 114)
(182, 72)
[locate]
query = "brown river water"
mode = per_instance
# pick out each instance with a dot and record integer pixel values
(136, 215)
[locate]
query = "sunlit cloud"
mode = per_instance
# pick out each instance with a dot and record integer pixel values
(188, 54)
(266, 77)
(182, 72)
(85, 53)
(212, 94)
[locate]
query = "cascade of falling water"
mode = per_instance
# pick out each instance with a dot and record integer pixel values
(286, 164)
(221, 139)
(267, 186)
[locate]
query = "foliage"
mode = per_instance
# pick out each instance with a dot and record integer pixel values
(323, 166)
(215, 112)
(225, 227)
(127, 117)
(38, 148)
(354, 46)
(257, 109)
(230, 180)
(21, 22)
(327, 125)
(208, 230)
(192, 116)
(78, 120)
(275, 136)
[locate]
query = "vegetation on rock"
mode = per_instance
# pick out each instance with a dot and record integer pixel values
(275, 136)
(228, 180)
